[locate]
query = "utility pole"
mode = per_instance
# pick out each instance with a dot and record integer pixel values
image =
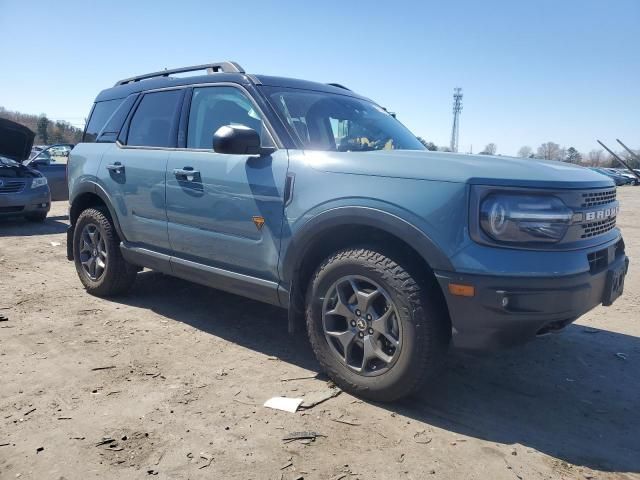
(457, 108)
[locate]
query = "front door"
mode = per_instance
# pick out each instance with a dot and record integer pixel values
(134, 174)
(226, 211)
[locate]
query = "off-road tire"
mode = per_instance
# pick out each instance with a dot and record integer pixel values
(118, 275)
(426, 330)
(36, 217)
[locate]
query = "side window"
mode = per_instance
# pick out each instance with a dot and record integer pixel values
(215, 107)
(101, 113)
(110, 131)
(152, 121)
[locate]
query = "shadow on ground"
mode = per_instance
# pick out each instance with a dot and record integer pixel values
(17, 226)
(569, 395)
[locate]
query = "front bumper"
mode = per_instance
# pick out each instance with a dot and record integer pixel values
(534, 305)
(25, 203)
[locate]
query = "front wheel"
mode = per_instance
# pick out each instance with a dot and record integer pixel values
(98, 260)
(377, 330)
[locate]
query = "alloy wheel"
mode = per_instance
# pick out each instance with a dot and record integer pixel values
(93, 251)
(361, 325)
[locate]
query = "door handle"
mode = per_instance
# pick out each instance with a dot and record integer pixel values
(116, 167)
(186, 173)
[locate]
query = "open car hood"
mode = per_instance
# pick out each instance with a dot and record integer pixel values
(15, 140)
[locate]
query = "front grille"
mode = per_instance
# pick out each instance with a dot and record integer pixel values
(597, 228)
(602, 197)
(11, 209)
(12, 186)
(598, 260)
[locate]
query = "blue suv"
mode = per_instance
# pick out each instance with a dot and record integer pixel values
(316, 199)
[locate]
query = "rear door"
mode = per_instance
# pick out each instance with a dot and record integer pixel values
(133, 169)
(228, 212)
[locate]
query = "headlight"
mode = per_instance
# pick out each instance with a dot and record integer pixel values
(38, 182)
(514, 218)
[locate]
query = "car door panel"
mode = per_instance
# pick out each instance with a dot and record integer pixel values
(137, 190)
(215, 217)
(57, 180)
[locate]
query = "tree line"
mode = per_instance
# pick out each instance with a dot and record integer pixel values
(553, 151)
(48, 132)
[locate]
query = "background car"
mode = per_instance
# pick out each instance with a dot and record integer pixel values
(627, 174)
(51, 161)
(23, 190)
(618, 179)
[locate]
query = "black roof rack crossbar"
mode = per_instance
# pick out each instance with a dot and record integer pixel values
(339, 86)
(225, 67)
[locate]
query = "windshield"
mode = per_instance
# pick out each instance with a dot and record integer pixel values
(328, 121)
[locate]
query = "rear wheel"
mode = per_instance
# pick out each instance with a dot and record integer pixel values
(378, 331)
(98, 260)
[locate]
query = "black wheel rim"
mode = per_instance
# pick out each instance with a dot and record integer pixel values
(93, 251)
(361, 325)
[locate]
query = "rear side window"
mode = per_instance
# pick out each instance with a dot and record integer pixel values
(109, 132)
(152, 122)
(101, 113)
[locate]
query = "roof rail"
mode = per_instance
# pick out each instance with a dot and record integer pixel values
(225, 67)
(339, 86)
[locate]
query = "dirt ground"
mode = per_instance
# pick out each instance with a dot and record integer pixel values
(173, 377)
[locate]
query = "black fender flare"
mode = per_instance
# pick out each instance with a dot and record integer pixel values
(97, 190)
(364, 216)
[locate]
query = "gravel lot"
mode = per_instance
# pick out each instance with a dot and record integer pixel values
(176, 374)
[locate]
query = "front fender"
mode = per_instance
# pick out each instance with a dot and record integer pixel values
(383, 220)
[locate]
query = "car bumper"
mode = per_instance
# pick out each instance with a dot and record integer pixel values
(22, 203)
(506, 311)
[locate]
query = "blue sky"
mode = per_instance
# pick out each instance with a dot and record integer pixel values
(532, 71)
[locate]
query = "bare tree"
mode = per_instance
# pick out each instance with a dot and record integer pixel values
(550, 151)
(490, 149)
(595, 157)
(525, 152)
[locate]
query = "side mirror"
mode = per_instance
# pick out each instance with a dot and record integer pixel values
(239, 140)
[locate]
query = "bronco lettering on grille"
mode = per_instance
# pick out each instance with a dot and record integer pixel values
(601, 214)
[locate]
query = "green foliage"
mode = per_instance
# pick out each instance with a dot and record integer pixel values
(42, 126)
(573, 156)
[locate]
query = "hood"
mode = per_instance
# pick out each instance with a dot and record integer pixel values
(459, 168)
(15, 140)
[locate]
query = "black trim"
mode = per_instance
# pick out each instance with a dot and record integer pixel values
(232, 282)
(95, 189)
(363, 216)
(183, 124)
(288, 188)
(510, 310)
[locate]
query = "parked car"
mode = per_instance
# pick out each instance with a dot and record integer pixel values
(51, 161)
(633, 180)
(314, 198)
(23, 190)
(618, 179)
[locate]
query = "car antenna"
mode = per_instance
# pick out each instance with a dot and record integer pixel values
(619, 159)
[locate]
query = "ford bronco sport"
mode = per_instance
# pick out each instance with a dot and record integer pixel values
(316, 199)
